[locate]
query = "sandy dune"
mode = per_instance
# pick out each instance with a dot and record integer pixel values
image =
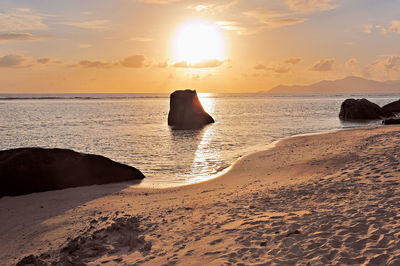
(322, 199)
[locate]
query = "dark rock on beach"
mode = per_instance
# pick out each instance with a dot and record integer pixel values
(393, 107)
(186, 111)
(28, 170)
(362, 109)
(391, 121)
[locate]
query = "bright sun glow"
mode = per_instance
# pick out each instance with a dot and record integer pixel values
(198, 41)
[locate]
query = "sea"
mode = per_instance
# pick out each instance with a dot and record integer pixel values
(132, 128)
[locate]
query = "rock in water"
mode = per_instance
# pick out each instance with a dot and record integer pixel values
(362, 109)
(28, 170)
(393, 107)
(186, 111)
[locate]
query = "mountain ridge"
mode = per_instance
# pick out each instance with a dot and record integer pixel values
(350, 84)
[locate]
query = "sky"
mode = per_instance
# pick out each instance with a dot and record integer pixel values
(158, 46)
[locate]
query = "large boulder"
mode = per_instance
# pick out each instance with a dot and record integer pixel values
(186, 111)
(393, 107)
(362, 109)
(28, 170)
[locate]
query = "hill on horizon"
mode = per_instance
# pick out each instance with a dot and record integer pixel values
(348, 85)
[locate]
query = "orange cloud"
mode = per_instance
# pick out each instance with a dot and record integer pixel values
(12, 60)
(16, 36)
(323, 65)
(21, 19)
(383, 69)
(394, 27)
(310, 5)
(351, 63)
(293, 60)
(97, 64)
(260, 67)
(134, 61)
(282, 22)
(43, 60)
(282, 67)
(368, 28)
(159, 2)
(204, 64)
(89, 25)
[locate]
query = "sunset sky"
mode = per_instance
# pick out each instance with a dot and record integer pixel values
(54, 46)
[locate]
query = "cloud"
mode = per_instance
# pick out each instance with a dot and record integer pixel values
(212, 6)
(203, 64)
(43, 60)
(97, 64)
(46, 61)
(323, 65)
(260, 19)
(239, 28)
(305, 6)
(281, 67)
(13, 60)
(392, 62)
(134, 61)
(394, 27)
(351, 63)
(385, 68)
(200, 7)
(21, 19)
(258, 26)
(89, 25)
(262, 13)
(277, 68)
(260, 67)
(14, 36)
(368, 28)
(159, 2)
(282, 22)
(20, 61)
(293, 60)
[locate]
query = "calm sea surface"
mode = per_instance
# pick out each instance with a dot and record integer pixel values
(132, 128)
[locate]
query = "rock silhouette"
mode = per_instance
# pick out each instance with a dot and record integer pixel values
(391, 121)
(186, 111)
(362, 109)
(28, 170)
(393, 107)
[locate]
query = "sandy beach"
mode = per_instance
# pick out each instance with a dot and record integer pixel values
(331, 198)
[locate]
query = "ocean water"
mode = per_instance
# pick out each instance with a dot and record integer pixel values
(132, 128)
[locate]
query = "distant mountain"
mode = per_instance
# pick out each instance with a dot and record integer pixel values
(349, 85)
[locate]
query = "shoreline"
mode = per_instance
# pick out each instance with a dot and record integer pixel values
(265, 147)
(328, 198)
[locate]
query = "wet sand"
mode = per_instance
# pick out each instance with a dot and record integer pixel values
(323, 199)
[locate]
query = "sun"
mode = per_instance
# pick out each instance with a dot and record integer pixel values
(198, 41)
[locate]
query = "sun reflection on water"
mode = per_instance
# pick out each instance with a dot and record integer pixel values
(208, 102)
(205, 156)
